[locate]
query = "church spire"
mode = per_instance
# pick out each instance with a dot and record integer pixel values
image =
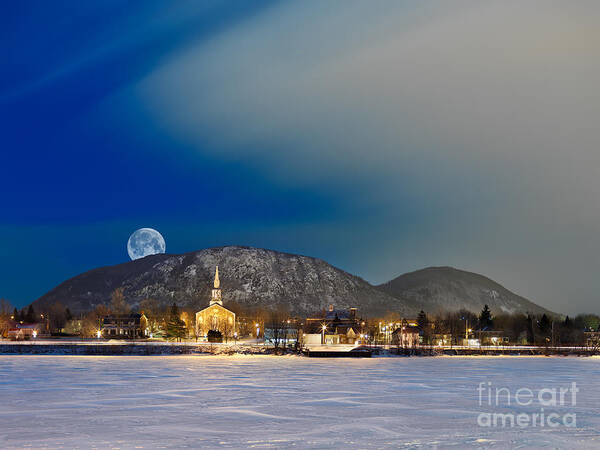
(217, 282)
(216, 292)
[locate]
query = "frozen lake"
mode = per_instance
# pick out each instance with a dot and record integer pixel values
(275, 402)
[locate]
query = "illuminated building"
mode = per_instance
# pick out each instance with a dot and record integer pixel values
(333, 327)
(124, 326)
(215, 317)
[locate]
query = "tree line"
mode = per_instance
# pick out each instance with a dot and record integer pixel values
(518, 328)
(179, 322)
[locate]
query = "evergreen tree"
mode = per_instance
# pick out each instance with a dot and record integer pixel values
(485, 318)
(567, 323)
(30, 315)
(545, 325)
(175, 326)
(422, 321)
(214, 336)
(530, 335)
(15, 315)
(68, 314)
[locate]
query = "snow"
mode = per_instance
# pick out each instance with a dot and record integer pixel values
(281, 402)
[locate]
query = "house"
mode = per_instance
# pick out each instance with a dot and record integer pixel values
(592, 338)
(441, 339)
(406, 336)
(285, 334)
(387, 329)
(125, 326)
(492, 337)
(333, 327)
(24, 332)
(73, 326)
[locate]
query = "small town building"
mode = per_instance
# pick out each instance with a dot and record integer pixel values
(592, 339)
(24, 332)
(406, 336)
(215, 317)
(441, 339)
(333, 327)
(492, 337)
(73, 326)
(285, 335)
(124, 326)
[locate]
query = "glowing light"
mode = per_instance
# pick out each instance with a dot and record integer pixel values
(34, 334)
(98, 334)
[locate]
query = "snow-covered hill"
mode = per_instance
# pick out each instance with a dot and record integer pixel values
(250, 277)
(254, 277)
(445, 288)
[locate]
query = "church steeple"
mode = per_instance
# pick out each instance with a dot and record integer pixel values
(216, 292)
(217, 283)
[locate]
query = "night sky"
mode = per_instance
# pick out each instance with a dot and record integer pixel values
(381, 137)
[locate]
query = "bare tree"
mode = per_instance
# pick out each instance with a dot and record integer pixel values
(5, 313)
(189, 320)
(151, 309)
(91, 322)
(118, 305)
(57, 317)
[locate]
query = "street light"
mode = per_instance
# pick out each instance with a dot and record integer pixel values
(467, 329)
(323, 328)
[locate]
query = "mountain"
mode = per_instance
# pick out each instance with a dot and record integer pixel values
(445, 288)
(250, 277)
(254, 277)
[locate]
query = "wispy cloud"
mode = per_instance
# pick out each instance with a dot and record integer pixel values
(479, 116)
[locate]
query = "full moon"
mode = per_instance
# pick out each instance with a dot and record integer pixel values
(144, 242)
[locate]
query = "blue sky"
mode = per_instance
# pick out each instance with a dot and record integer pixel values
(380, 137)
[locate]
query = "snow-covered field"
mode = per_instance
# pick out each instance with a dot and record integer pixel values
(280, 402)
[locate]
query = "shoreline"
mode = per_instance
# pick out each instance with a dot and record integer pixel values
(186, 348)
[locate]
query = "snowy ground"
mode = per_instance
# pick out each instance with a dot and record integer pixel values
(280, 402)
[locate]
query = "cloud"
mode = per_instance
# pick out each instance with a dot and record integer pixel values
(479, 118)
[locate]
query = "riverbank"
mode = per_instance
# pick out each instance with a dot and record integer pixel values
(126, 348)
(129, 349)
